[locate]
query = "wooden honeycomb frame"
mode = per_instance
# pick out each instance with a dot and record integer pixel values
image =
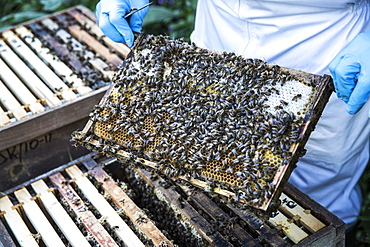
(104, 135)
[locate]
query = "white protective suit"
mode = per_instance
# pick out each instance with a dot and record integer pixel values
(304, 35)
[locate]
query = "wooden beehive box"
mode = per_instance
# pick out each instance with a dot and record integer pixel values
(227, 124)
(53, 71)
(82, 204)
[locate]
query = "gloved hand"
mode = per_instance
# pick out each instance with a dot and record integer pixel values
(351, 73)
(110, 19)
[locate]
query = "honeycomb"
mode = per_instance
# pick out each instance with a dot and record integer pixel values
(216, 117)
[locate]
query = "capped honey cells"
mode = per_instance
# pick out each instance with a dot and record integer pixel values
(220, 118)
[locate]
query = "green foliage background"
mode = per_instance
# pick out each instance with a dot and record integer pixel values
(174, 18)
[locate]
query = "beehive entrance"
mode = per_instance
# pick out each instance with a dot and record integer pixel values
(216, 117)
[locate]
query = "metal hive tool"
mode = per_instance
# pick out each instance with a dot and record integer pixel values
(224, 123)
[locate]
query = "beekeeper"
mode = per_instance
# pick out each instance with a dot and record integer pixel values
(316, 36)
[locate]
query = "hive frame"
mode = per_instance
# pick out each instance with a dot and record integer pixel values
(324, 89)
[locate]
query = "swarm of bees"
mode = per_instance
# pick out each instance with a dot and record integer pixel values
(216, 117)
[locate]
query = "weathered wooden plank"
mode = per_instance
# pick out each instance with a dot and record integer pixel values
(259, 227)
(38, 219)
(27, 76)
(56, 85)
(59, 215)
(79, 48)
(80, 209)
(4, 119)
(67, 38)
(58, 66)
(93, 28)
(217, 214)
(299, 214)
(291, 230)
(16, 224)
(18, 89)
(26, 159)
(67, 56)
(95, 45)
(28, 128)
(330, 220)
(187, 212)
(5, 238)
(85, 37)
(11, 103)
(106, 210)
(124, 202)
(86, 12)
(324, 237)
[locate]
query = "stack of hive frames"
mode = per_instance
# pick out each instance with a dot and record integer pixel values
(67, 205)
(54, 60)
(53, 70)
(231, 125)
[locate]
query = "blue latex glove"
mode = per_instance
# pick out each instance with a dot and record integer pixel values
(351, 73)
(110, 19)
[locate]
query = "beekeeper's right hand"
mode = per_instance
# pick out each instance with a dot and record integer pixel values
(110, 19)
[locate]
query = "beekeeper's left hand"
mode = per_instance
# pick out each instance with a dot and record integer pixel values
(351, 73)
